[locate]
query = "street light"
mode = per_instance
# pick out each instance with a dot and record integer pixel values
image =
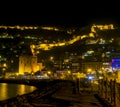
(4, 66)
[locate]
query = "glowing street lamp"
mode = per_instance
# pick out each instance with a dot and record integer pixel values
(4, 66)
(89, 70)
(69, 72)
(49, 72)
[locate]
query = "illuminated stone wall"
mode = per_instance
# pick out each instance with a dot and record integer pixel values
(27, 64)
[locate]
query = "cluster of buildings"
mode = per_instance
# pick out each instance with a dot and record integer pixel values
(92, 57)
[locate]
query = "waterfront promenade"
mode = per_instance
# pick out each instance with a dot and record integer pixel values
(57, 94)
(84, 98)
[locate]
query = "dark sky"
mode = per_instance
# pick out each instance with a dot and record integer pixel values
(59, 13)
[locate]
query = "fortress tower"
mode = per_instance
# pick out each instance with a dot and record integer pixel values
(27, 64)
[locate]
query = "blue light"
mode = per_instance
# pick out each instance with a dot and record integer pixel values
(115, 63)
(116, 60)
(90, 77)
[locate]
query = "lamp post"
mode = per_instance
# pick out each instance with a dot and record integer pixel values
(4, 66)
(78, 82)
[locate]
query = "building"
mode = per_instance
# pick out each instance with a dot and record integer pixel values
(91, 67)
(27, 64)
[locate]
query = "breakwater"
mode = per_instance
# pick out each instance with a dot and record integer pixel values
(31, 82)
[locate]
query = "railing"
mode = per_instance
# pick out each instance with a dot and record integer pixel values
(110, 91)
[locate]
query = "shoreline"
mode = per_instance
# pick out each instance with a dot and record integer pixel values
(35, 83)
(39, 84)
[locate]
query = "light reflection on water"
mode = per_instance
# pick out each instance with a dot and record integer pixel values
(11, 90)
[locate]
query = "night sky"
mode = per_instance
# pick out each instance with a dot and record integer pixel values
(59, 13)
